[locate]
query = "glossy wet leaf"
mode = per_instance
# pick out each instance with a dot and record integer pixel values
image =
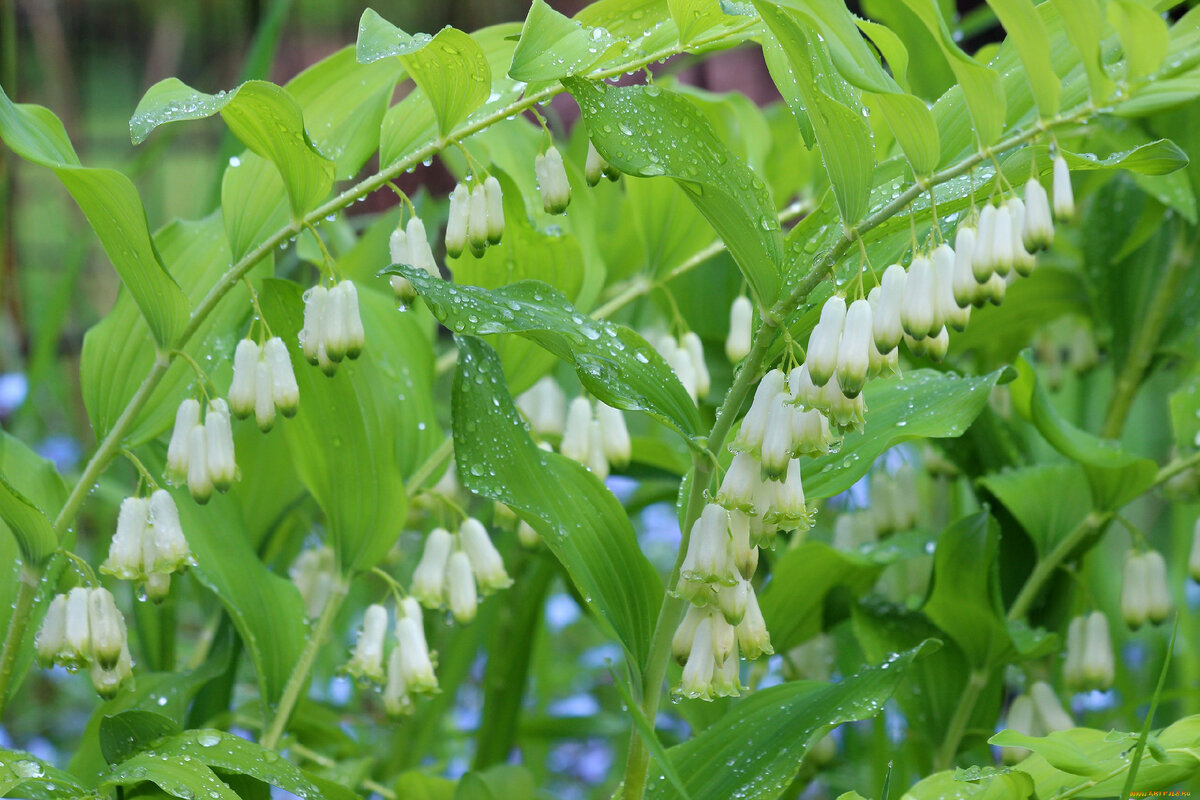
(1143, 34)
(1026, 31)
(232, 754)
(579, 519)
(132, 730)
(25, 775)
(554, 46)
(1049, 500)
(1058, 748)
(453, 72)
(379, 39)
(186, 780)
(31, 493)
(1084, 26)
(614, 362)
(755, 749)
(921, 404)
(113, 208)
(647, 131)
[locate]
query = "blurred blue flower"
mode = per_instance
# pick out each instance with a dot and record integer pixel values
(588, 760)
(561, 611)
(64, 451)
(601, 656)
(14, 388)
(623, 487)
(577, 705)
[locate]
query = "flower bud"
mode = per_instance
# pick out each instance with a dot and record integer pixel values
(241, 390)
(821, 355)
(106, 626)
(352, 320)
(698, 671)
(595, 167)
(485, 559)
(617, 446)
(1158, 598)
(1076, 644)
(1023, 260)
(107, 682)
(885, 318)
(917, 312)
(317, 308)
(399, 250)
(745, 555)
(805, 393)
(789, 511)
(169, 546)
(1022, 719)
(596, 460)
(724, 637)
(946, 308)
(695, 350)
(415, 663)
(527, 535)
(845, 413)
(78, 633)
(710, 553)
(1003, 256)
(1097, 667)
(966, 289)
(1064, 199)
(681, 642)
(741, 321)
(740, 483)
(367, 659)
(1037, 232)
(222, 465)
(52, 636)
(495, 209)
(461, 596)
(727, 677)
(754, 424)
(1134, 599)
(1049, 708)
(552, 181)
(284, 389)
(125, 551)
(810, 433)
(777, 437)
(752, 633)
(544, 405)
(419, 249)
(186, 418)
(456, 221)
(854, 355)
(680, 361)
(576, 439)
(477, 221)
(936, 346)
(428, 580)
(731, 600)
(199, 479)
(157, 586)
(396, 700)
(995, 289)
(983, 257)
(264, 399)
(311, 572)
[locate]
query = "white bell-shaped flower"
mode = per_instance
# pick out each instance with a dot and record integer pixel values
(461, 596)
(396, 699)
(186, 418)
(1023, 260)
(680, 361)
(312, 574)
(78, 632)
(170, 547)
(854, 350)
(789, 511)
(1049, 708)
(917, 312)
(937, 346)
(552, 181)
(316, 319)
(967, 291)
(617, 446)
(1064, 197)
(740, 483)
(596, 460)
(241, 389)
(727, 677)
(1075, 645)
(1134, 599)
(695, 350)
(125, 551)
(724, 637)
(429, 577)
(218, 430)
(400, 252)
(1038, 231)
(199, 478)
(885, 317)
(1097, 665)
(348, 304)
(367, 659)
(106, 628)
(486, 562)
(456, 221)
(415, 662)
(595, 167)
(811, 435)
(821, 355)
(804, 392)
(264, 400)
(494, 197)
(284, 389)
(1003, 257)
(754, 424)
(731, 600)
(107, 681)
(697, 680)
(51, 643)
(419, 249)
(1158, 596)
(477, 220)
(685, 633)
(947, 309)
(709, 556)
(1022, 719)
(983, 256)
(777, 437)
(576, 438)
(845, 413)
(745, 554)
(545, 406)
(752, 635)
(741, 322)
(995, 289)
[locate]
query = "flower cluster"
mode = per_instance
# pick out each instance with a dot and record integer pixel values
(1089, 662)
(409, 245)
(410, 667)
(596, 438)
(149, 544)
(84, 628)
(545, 407)
(1144, 595)
(685, 357)
(552, 180)
(333, 328)
(312, 573)
(455, 569)
(263, 381)
(201, 454)
(476, 217)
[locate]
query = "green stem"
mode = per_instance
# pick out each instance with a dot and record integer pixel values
(958, 723)
(300, 673)
(1173, 468)
(21, 611)
(1145, 341)
(1046, 566)
(328, 763)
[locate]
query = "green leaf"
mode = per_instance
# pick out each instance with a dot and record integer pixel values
(379, 39)
(965, 598)
(581, 522)
(755, 749)
(25, 775)
(647, 131)
(263, 116)
(554, 46)
(694, 17)
(453, 72)
(1084, 27)
(981, 86)
(1058, 748)
(1115, 475)
(31, 492)
(233, 754)
(1143, 34)
(254, 203)
(1049, 500)
(351, 442)
(912, 123)
(266, 608)
(187, 780)
(793, 603)
(613, 362)
(1184, 403)
(1159, 157)
(921, 404)
(841, 132)
(111, 204)
(1028, 34)
(130, 731)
